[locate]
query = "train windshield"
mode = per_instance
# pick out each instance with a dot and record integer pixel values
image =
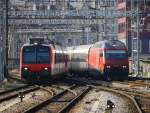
(29, 55)
(116, 54)
(39, 54)
(43, 55)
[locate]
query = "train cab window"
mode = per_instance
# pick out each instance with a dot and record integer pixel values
(29, 55)
(101, 54)
(43, 54)
(36, 54)
(116, 54)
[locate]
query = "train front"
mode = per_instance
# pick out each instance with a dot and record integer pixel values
(116, 64)
(35, 62)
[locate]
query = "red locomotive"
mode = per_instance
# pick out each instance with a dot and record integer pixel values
(42, 61)
(107, 59)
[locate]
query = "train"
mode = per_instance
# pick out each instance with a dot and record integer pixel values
(42, 61)
(107, 59)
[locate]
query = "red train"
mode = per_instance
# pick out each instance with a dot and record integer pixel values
(106, 59)
(42, 61)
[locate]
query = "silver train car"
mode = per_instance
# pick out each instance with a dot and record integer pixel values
(78, 56)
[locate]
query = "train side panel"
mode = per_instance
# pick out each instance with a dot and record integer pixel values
(59, 63)
(94, 62)
(79, 59)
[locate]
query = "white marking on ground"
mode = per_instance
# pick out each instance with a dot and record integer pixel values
(95, 107)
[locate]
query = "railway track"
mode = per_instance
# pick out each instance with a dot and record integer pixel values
(140, 99)
(13, 93)
(14, 89)
(61, 102)
(136, 83)
(35, 97)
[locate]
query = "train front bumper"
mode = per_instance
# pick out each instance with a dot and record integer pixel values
(27, 74)
(116, 72)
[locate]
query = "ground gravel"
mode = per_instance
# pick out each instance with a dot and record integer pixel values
(31, 99)
(96, 100)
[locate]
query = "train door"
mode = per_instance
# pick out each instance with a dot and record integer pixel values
(92, 59)
(57, 60)
(101, 55)
(54, 66)
(97, 59)
(62, 61)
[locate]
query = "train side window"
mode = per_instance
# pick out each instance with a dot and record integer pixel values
(55, 57)
(59, 57)
(101, 54)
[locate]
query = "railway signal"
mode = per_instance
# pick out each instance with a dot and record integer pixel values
(21, 96)
(110, 106)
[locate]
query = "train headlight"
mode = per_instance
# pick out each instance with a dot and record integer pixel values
(45, 68)
(108, 67)
(108, 106)
(35, 43)
(26, 68)
(124, 66)
(113, 106)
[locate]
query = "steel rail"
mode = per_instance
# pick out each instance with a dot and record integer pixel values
(14, 89)
(16, 94)
(44, 103)
(134, 93)
(74, 101)
(110, 89)
(121, 93)
(134, 82)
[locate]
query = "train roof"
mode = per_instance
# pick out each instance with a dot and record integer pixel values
(110, 44)
(56, 47)
(27, 44)
(80, 47)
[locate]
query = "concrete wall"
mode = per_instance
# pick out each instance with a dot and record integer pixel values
(145, 67)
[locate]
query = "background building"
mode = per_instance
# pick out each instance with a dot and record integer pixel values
(69, 22)
(127, 26)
